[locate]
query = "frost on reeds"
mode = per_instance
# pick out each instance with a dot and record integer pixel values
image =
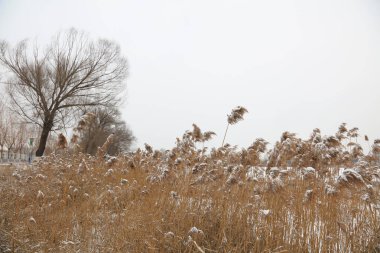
(346, 175)
(32, 220)
(308, 195)
(103, 149)
(186, 200)
(40, 195)
(169, 235)
(330, 190)
(308, 172)
(195, 230)
(83, 167)
(265, 213)
(124, 181)
(41, 177)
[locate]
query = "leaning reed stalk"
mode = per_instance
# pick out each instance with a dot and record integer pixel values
(225, 134)
(235, 116)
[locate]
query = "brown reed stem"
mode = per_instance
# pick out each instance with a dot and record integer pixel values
(225, 134)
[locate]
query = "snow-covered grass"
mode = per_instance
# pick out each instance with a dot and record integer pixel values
(322, 199)
(56, 206)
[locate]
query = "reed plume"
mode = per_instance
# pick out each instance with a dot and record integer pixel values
(103, 149)
(197, 133)
(208, 135)
(62, 142)
(236, 115)
(233, 118)
(148, 148)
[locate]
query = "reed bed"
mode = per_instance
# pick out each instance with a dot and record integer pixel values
(314, 195)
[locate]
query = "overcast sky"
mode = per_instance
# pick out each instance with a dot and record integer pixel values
(295, 65)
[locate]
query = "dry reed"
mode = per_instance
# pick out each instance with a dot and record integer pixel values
(317, 196)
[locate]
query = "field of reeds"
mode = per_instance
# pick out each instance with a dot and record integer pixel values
(315, 195)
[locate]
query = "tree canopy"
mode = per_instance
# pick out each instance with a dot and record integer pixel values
(46, 85)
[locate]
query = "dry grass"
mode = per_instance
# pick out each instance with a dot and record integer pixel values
(189, 200)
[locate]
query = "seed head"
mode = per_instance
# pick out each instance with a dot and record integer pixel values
(236, 115)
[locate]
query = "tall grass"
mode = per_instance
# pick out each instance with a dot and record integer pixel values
(190, 200)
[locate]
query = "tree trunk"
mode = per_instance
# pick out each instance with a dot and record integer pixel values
(47, 126)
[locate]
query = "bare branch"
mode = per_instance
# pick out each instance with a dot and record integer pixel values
(72, 71)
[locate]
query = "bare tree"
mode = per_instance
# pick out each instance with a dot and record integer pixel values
(106, 121)
(46, 85)
(11, 137)
(3, 128)
(21, 139)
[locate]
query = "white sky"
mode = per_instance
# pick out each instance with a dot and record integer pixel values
(295, 65)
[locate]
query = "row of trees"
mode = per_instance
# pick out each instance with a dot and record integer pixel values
(52, 86)
(13, 134)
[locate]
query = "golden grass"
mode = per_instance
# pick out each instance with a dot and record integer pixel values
(190, 200)
(162, 202)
